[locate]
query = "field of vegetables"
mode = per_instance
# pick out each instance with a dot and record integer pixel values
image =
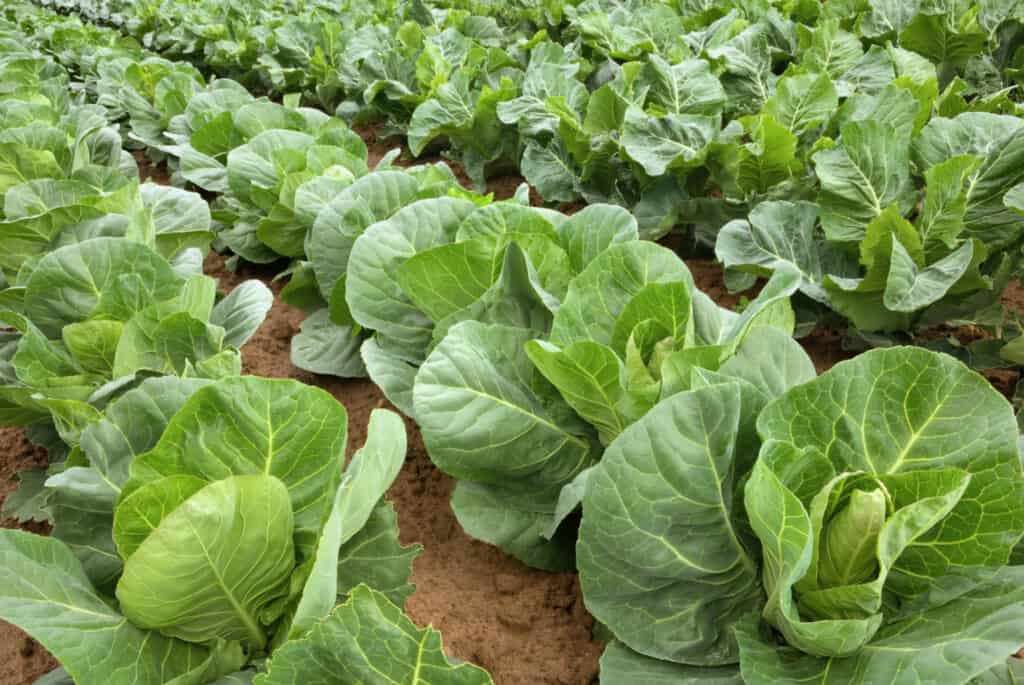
(458, 342)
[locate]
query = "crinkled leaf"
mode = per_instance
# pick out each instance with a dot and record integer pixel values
(670, 142)
(869, 171)
(365, 639)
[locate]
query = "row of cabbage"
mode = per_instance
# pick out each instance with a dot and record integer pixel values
(722, 505)
(733, 518)
(205, 527)
(876, 147)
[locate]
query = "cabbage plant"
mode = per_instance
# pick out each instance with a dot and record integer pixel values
(274, 164)
(281, 177)
(907, 230)
(45, 133)
(855, 529)
(65, 177)
(537, 362)
(332, 335)
(44, 214)
(211, 530)
(93, 317)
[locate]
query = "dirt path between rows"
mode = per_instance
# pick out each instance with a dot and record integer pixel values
(523, 625)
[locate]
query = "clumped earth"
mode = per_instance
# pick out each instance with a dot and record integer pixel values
(526, 627)
(22, 659)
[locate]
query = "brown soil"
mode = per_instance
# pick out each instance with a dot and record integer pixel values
(157, 173)
(825, 349)
(1013, 297)
(505, 187)
(707, 275)
(22, 659)
(377, 147)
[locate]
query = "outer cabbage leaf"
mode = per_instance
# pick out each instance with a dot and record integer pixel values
(363, 640)
(47, 593)
(371, 472)
(374, 295)
(620, 665)
(959, 635)
(661, 554)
